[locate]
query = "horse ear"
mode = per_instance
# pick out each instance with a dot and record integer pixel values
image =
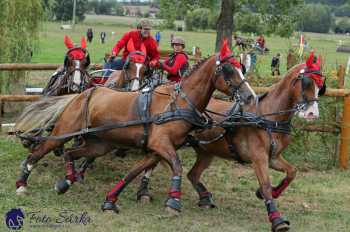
(68, 42)
(130, 46)
(310, 60)
(143, 49)
(225, 50)
(83, 42)
(318, 62)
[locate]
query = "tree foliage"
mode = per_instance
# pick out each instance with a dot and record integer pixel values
(343, 10)
(19, 30)
(106, 7)
(63, 10)
(342, 26)
(201, 18)
(316, 18)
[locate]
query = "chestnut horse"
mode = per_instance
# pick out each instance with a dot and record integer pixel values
(132, 76)
(174, 109)
(260, 144)
(72, 77)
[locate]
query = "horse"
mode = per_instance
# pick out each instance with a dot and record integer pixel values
(261, 144)
(72, 77)
(132, 76)
(159, 124)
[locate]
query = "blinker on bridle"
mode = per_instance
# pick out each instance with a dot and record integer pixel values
(305, 80)
(225, 68)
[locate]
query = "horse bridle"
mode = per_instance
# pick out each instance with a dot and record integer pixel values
(220, 71)
(304, 77)
(127, 63)
(83, 72)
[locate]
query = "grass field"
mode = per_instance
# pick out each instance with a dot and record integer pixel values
(318, 200)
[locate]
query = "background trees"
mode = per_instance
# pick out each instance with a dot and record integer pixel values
(19, 31)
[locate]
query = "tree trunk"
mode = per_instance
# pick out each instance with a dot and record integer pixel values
(224, 26)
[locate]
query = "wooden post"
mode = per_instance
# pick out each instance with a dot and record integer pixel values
(345, 135)
(338, 111)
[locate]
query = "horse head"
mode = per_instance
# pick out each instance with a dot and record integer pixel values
(76, 61)
(229, 77)
(309, 85)
(134, 67)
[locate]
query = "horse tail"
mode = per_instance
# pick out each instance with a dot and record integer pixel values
(41, 115)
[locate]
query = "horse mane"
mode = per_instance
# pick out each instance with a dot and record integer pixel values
(288, 76)
(195, 66)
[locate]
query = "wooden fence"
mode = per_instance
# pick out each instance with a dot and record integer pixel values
(341, 94)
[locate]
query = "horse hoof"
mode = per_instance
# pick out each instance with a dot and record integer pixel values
(22, 190)
(208, 206)
(62, 186)
(145, 199)
(173, 206)
(172, 212)
(206, 202)
(282, 228)
(258, 194)
(109, 206)
(280, 225)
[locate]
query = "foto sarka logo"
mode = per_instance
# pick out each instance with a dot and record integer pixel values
(14, 219)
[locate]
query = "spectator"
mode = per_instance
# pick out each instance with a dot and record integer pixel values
(103, 37)
(89, 35)
(158, 37)
(275, 65)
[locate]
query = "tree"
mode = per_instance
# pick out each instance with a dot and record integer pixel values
(225, 23)
(19, 31)
(63, 9)
(316, 18)
(275, 15)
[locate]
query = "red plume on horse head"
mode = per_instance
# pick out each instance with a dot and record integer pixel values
(225, 52)
(138, 58)
(83, 42)
(314, 68)
(68, 42)
(76, 53)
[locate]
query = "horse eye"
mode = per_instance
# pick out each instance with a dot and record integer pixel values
(227, 69)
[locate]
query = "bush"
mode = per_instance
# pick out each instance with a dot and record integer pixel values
(342, 26)
(342, 11)
(315, 18)
(201, 18)
(248, 23)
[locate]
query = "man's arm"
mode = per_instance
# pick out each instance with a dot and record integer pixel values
(120, 44)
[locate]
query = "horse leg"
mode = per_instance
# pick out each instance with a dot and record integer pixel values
(80, 173)
(143, 194)
(203, 161)
(91, 147)
(260, 163)
(168, 153)
(28, 164)
(112, 196)
(280, 164)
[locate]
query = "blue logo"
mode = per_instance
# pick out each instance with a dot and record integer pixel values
(14, 219)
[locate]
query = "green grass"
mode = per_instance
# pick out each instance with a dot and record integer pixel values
(316, 201)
